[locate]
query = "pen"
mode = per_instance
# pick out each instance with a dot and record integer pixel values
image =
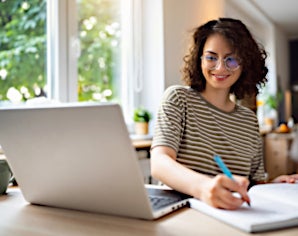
(226, 170)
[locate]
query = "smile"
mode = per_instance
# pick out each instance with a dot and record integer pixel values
(221, 77)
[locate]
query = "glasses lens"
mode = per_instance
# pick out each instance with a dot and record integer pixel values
(231, 63)
(210, 61)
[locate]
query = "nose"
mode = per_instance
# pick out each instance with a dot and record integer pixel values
(220, 65)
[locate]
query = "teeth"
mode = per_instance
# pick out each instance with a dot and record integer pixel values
(221, 76)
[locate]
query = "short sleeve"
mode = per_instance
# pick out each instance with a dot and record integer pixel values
(170, 118)
(257, 168)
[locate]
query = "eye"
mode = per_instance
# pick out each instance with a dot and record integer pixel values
(232, 62)
(210, 58)
(230, 59)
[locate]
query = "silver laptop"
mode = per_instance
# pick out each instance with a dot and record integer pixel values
(79, 156)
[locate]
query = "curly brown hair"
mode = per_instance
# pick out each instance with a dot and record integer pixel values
(252, 56)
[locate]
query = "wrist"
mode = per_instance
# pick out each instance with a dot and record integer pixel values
(199, 185)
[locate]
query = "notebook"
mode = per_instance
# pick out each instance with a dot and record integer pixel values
(79, 156)
(273, 206)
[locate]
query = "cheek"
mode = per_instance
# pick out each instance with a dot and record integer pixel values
(205, 72)
(235, 78)
(238, 74)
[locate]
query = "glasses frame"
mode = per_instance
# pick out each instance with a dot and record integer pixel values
(219, 61)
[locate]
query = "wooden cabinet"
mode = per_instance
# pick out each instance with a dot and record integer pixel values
(277, 159)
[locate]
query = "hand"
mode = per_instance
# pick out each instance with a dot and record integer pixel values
(219, 192)
(286, 179)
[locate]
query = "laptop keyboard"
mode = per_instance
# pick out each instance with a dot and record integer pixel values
(158, 202)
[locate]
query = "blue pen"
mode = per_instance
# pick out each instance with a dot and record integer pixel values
(225, 170)
(223, 167)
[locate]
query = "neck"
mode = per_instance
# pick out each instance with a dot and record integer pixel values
(220, 99)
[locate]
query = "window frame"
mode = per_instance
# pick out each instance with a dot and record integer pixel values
(143, 68)
(64, 50)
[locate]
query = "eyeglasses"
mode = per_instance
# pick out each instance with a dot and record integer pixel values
(212, 62)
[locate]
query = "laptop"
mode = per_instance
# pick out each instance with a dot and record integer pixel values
(80, 156)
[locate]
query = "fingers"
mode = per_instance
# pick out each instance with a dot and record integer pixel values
(295, 176)
(286, 179)
(228, 200)
(239, 186)
(242, 181)
(242, 186)
(220, 192)
(292, 178)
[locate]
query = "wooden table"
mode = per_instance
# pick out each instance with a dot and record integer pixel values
(18, 218)
(142, 144)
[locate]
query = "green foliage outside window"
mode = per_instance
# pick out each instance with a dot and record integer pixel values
(99, 32)
(23, 48)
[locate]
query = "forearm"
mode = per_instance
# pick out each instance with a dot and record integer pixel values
(216, 191)
(177, 176)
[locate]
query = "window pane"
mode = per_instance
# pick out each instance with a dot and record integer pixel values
(99, 62)
(22, 49)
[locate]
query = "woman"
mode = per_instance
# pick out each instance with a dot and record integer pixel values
(197, 121)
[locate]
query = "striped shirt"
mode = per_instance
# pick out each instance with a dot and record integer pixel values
(197, 130)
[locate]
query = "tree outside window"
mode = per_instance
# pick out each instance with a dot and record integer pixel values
(23, 49)
(99, 63)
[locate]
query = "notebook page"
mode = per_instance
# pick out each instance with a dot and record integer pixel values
(262, 215)
(277, 191)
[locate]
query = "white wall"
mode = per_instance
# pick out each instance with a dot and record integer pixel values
(153, 53)
(180, 18)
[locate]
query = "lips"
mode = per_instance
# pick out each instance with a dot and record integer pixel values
(220, 77)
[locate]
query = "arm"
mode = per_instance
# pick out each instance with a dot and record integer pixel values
(215, 191)
(286, 179)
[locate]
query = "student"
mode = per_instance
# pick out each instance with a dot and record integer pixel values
(199, 120)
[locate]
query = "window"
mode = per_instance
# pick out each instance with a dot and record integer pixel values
(22, 49)
(85, 49)
(99, 34)
(70, 50)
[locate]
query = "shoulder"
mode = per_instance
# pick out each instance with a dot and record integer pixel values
(245, 111)
(179, 92)
(174, 89)
(247, 115)
(181, 96)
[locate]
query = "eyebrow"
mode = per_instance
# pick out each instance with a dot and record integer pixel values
(208, 51)
(214, 53)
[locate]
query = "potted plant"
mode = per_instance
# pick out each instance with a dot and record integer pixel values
(141, 117)
(271, 103)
